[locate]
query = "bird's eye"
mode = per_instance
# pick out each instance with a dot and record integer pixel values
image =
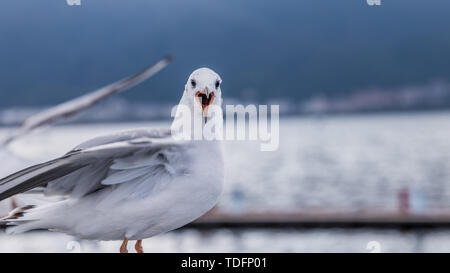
(217, 84)
(193, 83)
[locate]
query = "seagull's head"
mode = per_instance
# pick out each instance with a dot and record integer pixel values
(203, 87)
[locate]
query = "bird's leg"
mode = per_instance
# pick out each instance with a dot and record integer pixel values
(123, 247)
(138, 246)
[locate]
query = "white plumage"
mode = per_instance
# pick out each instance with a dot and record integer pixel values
(130, 185)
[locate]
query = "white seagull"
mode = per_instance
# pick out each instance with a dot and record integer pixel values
(130, 185)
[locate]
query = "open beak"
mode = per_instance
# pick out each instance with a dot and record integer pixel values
(204, 100)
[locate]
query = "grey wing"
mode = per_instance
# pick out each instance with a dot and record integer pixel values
(123, 136)
(89, 169)
(74, 106)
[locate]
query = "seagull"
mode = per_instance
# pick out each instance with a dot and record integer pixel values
(69, 109)
(130, 185)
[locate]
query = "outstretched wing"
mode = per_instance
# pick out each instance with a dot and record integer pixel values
(77, 105)
(100, 163)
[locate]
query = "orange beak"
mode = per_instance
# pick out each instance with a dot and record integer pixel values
(204, 101)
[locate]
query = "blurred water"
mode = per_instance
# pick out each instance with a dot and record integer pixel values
(248, 240)
(348, 163)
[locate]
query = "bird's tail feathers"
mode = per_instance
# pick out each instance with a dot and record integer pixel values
(16, 214)
(27, 218)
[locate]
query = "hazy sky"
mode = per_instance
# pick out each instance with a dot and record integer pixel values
(50, 52)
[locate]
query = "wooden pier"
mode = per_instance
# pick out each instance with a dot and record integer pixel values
(380, 219)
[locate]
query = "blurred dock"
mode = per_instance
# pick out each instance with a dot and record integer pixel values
(411, 212)
(381, 219)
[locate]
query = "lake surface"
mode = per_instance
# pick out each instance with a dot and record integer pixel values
(224, 240)
(340, 163)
